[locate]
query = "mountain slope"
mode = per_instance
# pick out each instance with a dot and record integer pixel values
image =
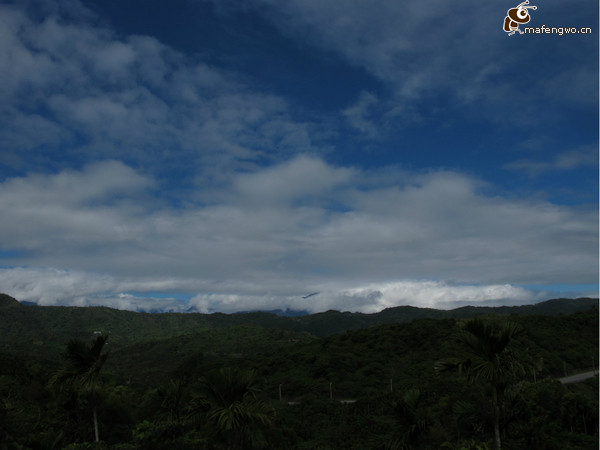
(44, 330)
(6, 301)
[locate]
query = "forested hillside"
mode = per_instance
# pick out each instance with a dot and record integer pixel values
(188, 381)
(43, 330)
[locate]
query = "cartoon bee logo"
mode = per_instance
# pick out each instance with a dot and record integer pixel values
(517, 16)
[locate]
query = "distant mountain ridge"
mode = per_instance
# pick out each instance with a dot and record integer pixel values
(44, 330)
(403, 312)
(8, 301)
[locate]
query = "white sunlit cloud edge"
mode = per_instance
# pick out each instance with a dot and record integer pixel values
(71, 288)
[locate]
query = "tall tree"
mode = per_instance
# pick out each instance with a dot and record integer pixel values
(82, 372)
(489, 359)
(227, 400)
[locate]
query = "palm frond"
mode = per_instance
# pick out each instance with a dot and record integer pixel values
(451, 364)
(83, 364)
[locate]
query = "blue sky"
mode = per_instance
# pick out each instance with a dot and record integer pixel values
(237, 155)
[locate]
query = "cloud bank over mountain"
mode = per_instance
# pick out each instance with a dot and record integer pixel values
(276, 233)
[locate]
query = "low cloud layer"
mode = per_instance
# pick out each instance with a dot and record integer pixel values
(271, 239)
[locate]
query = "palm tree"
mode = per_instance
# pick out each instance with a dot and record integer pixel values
(489, 360)
(413, 419)
(82, 371)
(228, 401)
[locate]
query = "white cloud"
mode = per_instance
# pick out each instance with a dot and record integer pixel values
(300, 178)
(568, 160)
(358, 114)
(51, 287)
(373, 298)
(425, 294)
(97, 182)
(426, 49)
(77, 86)
(101, 230)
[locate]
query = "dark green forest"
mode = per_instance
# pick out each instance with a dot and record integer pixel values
(470, 378)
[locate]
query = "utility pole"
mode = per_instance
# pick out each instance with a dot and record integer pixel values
(330, 391)
(280, 392)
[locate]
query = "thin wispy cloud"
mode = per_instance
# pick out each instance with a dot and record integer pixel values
(358, 114)
(134, 98)
(569, 160)
(419, 51)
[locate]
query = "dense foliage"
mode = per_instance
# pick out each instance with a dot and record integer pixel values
(260, 386)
